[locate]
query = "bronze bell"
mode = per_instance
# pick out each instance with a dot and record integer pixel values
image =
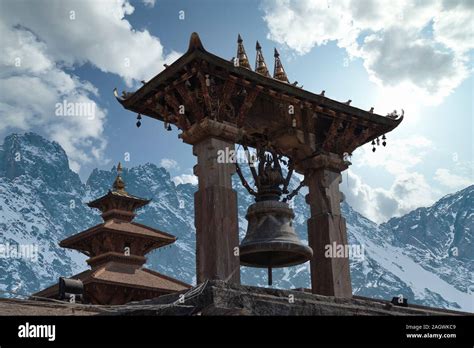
(271, 241)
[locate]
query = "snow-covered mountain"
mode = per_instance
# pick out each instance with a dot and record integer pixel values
(427, 255)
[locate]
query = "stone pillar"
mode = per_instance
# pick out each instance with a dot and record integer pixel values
(215, 208)
(330, 276)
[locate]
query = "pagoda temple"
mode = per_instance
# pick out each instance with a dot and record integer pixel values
(116, 250)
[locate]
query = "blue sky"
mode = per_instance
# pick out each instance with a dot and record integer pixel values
(390, 54)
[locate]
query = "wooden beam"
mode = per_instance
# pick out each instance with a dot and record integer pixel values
(357, 141)
(205, 93)
(167, 116)
(347, 137)
(306, 122)
(154, 97)
(183, 78)
(227, 90)
(247, 104)
(171, 100)
(331, 134)
(293, 101)
(190, 101)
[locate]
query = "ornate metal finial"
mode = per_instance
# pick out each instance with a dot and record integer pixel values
(279, 73)
(269, 181)
(260, 66)
(241, 55)
(119, 184)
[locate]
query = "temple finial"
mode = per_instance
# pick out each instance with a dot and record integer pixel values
(119, 184)
(241, 55)
(278, 72)
(195, 43)
(260, 66)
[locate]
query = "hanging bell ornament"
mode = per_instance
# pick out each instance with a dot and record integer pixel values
(271, 240)
(169, 128)
(384, 138)
(378, 141)
(139, 117)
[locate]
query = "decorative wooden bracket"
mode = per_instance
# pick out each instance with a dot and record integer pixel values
(226, 94)
(205, 93)
(190, 101)
(247, 104)
(182, 120)
(331, 134)
(347, 137)
(367, 133)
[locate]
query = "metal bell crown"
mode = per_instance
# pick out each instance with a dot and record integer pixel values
(271, 240)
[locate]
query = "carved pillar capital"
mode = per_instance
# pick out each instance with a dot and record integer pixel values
(208, 128)
(323, 176)
(327, 161)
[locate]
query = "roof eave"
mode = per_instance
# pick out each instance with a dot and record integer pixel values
(270, 82)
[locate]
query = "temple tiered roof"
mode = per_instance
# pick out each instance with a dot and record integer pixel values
(116, 250)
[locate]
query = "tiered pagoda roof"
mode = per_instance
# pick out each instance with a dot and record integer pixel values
(116, 250)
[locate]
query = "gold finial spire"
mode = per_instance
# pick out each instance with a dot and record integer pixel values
(260, 65)
(119, 184)
(241, 55)
(279, 73)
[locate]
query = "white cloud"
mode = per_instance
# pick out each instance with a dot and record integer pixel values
(398, 157)
(454, 26)
(92, 31)
(397, 56)
(421, 45)
(30, 86)
(301, 25)
(168, 164)
(451, 180)
(185, 179)
(408, 191)
(41, 46)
